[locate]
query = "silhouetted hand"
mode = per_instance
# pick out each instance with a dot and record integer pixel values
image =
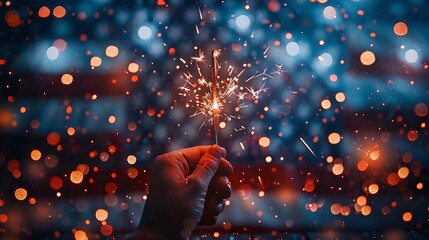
(188, 188)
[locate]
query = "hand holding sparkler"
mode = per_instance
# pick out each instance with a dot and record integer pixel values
(188, 188)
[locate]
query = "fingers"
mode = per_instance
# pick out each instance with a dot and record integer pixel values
(212, 209)
(220, 187)
(208, 164)
(194, 154)
(225, 168)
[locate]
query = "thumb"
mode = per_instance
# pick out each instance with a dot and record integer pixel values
(208, 164)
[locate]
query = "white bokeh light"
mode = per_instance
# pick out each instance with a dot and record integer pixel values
(52, 53)
(325, 59)
(292, 48)
(329, 13)
(145, 32)
(411, 56)
(242, 21)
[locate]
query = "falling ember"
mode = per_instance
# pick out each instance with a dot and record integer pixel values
(308, 147)
(260, 182)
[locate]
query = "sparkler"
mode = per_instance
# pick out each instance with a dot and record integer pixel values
(229, 90)
(214, 94)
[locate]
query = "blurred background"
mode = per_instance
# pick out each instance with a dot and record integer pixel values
(324, 113)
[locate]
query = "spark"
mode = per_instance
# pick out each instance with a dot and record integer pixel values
(279, 71)
(241, 95)
(264, 76)
(225, 94)
(240, 129)
(360, 149)
(255, 93)
(266, 50)
(199, 58)
(308, 147)
(201, 15)
(260, 182)
(202, 124)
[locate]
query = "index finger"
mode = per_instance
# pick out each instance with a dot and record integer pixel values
(193, 155)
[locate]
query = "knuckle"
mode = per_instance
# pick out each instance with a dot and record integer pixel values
(160, 158)
(209, 165)
(197, 183)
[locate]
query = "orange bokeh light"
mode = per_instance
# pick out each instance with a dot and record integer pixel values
(362, 165)
(20, 194)
(367, 58)
(334, 138)
(421, 109)
(56, 183)
(95, 62)
(407, 216)
(53, 138)
(101, 214)
(12, 18)
(44, 12)
(133, 67)
(59, 12)
(112, 51)
(76, 177)
(264, 142)
(412, 135)
(393, 179)
(400, 29)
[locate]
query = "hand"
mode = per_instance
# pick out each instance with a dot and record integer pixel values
(188, 187)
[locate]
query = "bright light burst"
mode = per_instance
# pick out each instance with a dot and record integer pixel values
(237, 88)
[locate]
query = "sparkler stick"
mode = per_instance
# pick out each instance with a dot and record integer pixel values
(214, 94)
